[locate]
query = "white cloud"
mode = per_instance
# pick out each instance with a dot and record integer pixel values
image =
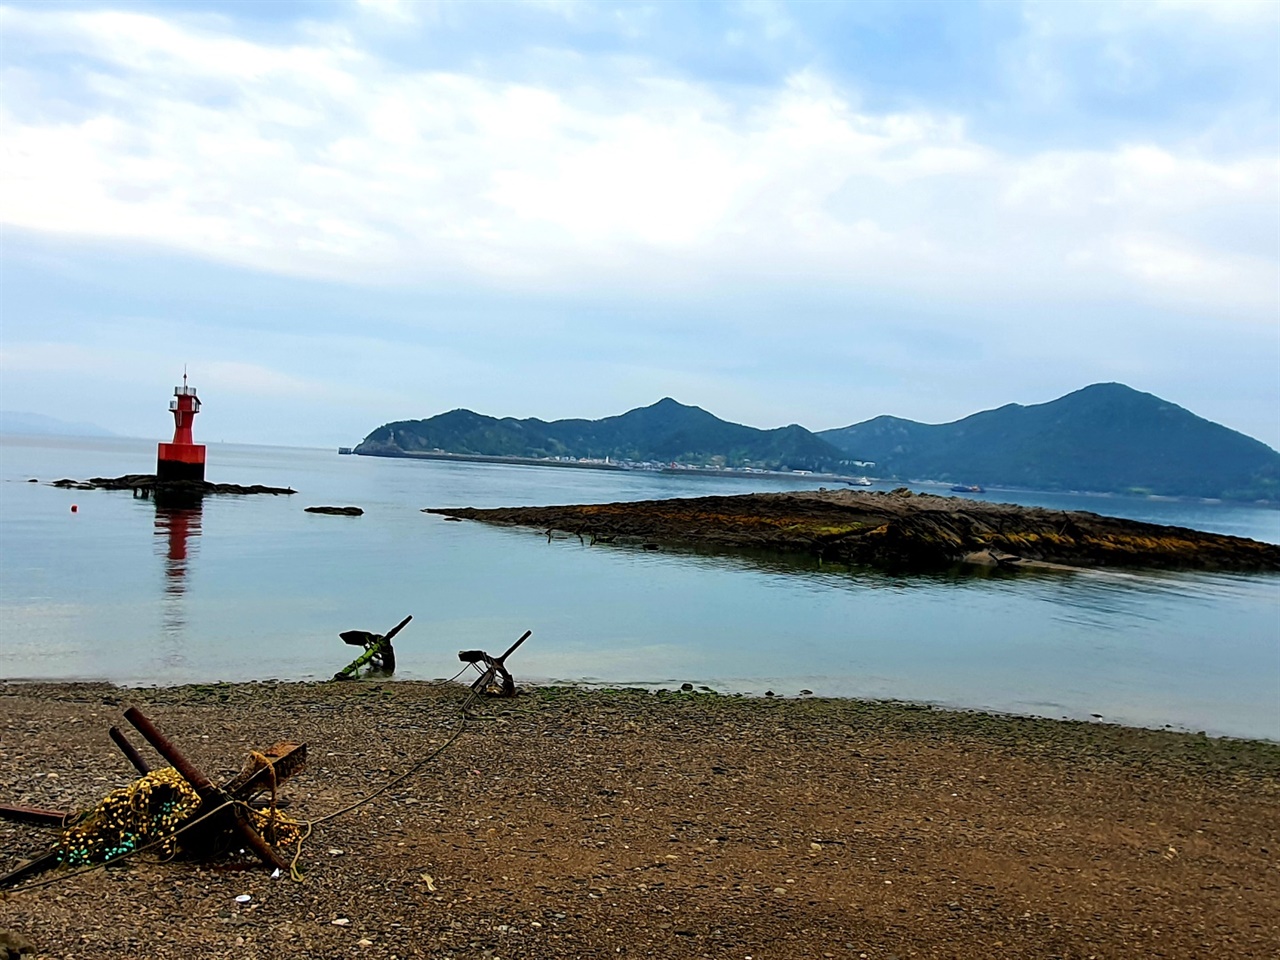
(320, 160)
(397, 11)
(258, 381)
(1227, 11)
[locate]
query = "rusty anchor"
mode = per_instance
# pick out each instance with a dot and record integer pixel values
(220, 821)
(494, 669)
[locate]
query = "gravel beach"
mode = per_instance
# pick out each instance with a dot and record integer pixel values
(568, 823)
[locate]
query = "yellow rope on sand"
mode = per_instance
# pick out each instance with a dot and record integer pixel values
(276, 828)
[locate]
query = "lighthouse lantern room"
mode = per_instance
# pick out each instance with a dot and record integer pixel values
(181, 459)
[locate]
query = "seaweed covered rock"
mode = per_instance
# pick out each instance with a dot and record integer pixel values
(898, 530)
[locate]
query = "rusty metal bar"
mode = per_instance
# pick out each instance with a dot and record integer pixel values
(130, 752)
(35, 816)
(209, 793)
(188, 770)
(285, 760)
(253, 840)
(30, 869)
(515, 646)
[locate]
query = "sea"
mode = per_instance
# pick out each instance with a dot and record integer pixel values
(98, 585)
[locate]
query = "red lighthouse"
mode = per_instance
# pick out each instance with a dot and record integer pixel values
(182, 459)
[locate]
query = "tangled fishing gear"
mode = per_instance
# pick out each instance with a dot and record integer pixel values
(147, 811)
(274, 826)
(150, 812)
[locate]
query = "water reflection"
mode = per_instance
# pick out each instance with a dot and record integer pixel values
(1095, 598)
(176, 525)
(804, 570)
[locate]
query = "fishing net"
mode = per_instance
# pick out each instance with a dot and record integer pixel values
(147, 810)
(275, 827)
(150, 811)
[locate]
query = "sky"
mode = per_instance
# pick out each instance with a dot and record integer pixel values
(339, 214)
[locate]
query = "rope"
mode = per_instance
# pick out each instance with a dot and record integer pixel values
(398, 780)
(294, 873)
(275, 827)
(438, 683)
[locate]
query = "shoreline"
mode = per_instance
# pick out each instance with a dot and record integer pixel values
(640, 688)
(570, 823)
(668, 471)
(851, 478)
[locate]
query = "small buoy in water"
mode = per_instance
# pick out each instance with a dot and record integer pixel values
(74, 508)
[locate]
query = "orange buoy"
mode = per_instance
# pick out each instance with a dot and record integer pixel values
(74, 508)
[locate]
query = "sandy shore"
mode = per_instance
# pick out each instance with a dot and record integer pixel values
(571, 824)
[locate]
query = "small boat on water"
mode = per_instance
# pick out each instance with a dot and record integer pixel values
(859, 482)
(961, 488)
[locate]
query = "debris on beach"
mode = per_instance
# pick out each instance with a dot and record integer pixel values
(495, 679)
(378, 652)
(170, 810)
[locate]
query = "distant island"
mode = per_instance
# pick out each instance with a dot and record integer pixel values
(24, 423)
(664, 435)
(1105, 438)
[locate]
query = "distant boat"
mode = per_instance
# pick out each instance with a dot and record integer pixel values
(344, 450)
(859, 482)
(961, 488)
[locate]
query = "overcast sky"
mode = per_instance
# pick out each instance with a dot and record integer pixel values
(339, 214)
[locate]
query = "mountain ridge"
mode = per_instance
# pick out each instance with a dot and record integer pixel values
(1105, 438)
(663, 432)
(26, 423)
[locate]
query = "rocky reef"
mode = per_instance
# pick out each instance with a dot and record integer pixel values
(146, 484)
(336, 511)
(901, 529)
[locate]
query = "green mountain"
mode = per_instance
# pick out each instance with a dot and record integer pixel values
(1105, 438)
(665, 432)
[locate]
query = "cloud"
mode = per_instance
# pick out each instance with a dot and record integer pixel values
(317, 159)
(397, 11)
(258, 381)
(1162, 57)
(708, 203)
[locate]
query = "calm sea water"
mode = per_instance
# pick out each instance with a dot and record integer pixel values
(254, 587)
